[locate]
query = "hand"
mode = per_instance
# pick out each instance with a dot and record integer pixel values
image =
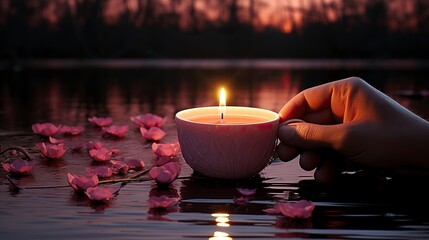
(350, 123)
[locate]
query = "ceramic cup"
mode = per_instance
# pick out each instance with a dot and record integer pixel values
(238, 147)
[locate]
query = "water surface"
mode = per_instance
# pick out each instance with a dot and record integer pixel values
(357, 207)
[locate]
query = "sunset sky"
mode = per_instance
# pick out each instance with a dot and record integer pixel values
(281, 14)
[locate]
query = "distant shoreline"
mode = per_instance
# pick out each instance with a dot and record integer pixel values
(279, 64)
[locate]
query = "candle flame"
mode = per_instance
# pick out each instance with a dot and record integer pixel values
(222, 104)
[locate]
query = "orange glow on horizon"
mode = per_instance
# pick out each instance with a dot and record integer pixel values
(287, 27)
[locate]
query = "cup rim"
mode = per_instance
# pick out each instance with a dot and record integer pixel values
(275, 116)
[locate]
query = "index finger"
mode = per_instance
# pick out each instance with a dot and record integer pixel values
(308, 101)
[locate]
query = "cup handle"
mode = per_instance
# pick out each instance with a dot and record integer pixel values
(275, 156)
(293, 120)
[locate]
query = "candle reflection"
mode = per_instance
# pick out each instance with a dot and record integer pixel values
(220, 236)
(222, 220)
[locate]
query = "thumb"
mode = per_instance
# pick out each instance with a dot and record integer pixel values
(307, 136)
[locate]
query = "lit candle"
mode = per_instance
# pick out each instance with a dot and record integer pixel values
(236, 146)
(222, 104)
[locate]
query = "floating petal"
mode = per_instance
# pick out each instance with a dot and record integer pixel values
(45, 129)
(116, 130)
(100, 154)
(99, 194)
(71, 130)
(119, 167)
(166, 149)
(165, 174)
(135, 163)
(51, 151)
(19, 166)
(300, 209)
(100, 171)
(94, 145)
(55, 140)
(148, 120)
(101, 122)
(153, 133)
(81, 183)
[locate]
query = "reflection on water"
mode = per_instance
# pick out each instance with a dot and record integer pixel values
(357, 207)
(220, 236)
(41, 96)
(73, 96)
(222, 219)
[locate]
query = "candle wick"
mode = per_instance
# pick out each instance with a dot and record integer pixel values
(221, 116)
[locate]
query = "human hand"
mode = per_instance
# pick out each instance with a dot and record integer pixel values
(351, 123)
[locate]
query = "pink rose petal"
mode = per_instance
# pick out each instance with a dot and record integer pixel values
(45, 129)
(116, 130)
(99, 194)
(71, 130)
(100, 171)
(148, 120)
(164, 177)
(166, 149)
(165, 174)
(100, 154)
(19, 166)
(94, 145)
(163, 160)
(274, 211)
(55, 140)
(51, 151)
(119, 167)
(135, 163)
(114, 151)
(300, 209)
(101, 122)
(81, 183)
(153, 133)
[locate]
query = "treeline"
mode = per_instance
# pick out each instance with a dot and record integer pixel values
(214, 29)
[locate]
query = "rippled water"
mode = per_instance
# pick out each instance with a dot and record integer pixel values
(358, 207)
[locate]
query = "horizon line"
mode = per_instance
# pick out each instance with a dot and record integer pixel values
(203, 63)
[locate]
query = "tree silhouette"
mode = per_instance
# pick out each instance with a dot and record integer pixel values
(215, 28)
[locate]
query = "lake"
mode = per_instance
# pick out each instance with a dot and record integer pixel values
(357, 207)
